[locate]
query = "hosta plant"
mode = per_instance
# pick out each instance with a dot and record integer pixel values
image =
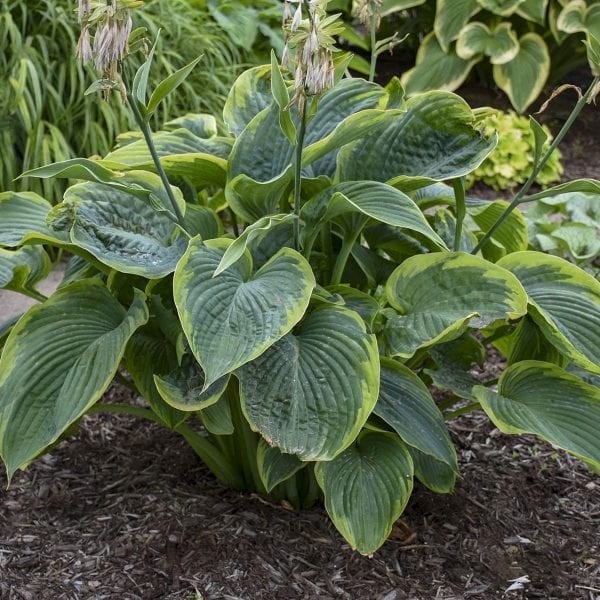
(292, 297)
(512, 161)
(522, 41)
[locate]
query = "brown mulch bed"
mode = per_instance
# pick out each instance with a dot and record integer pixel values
(125, 510)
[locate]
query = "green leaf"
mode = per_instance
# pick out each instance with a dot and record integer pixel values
(57, 362)
(533, 10)
(217, 418)
(391, 6)
(252, 234)
(564, 302)
(438, 295)
(76, 168)
(274, 466)
(233, 318)
(406, 405)
(140, 80)
(436, 137)
(21, 269)
(278, 87)
(592, 45)
(523, 78)
(312, 391)
(504, 8)
(122, 230)
(202, 221)
(183, 388)
(499, 43)
(249, 95)
(436, 69)
(20, 214)
(200, 124)
(168, 85)
(540, 136)
(367, 488)
(511, 235)
(200, 161)
(543, 399)
(583, 186)
(147, 353)
(432, 473)
(366, 306)
(450, 18)
(371, 198)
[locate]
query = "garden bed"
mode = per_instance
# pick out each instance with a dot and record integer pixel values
(125, 510)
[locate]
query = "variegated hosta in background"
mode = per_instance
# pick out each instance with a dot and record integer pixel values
(524, 41)
(311, 369)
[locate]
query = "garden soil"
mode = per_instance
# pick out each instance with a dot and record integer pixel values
(124, 510)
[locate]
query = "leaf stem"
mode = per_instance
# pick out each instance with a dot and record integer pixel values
(147, 133)
(33, 294)
(373, 30)
(298, 175)
(343, 255)
(521, 194)
(461, 210)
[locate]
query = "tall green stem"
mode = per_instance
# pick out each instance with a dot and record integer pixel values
(147, 133)
(461, 210)
(521, 194)
(373, 29)
(342, 258)
(298, 175)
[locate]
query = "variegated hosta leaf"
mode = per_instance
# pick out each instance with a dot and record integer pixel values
(371, 198)
(311, 392)
(406, 405)
(450, 18)
(366, 488)
(233, 318)
(201, 125)
(511, 235)
(361, 302)
(58, 361)
(432, 473)
(534, 10)
(274, 466)
(578, 16)
(260, 163)
(435, 69)
(565, 303)
(20, 214)
(543, 399)
(391, 6)
(21, 269)
(249, 95)
(202, 161)
(500, 44)
(523, 78)
(202, 221)
(124, 231)
(436, 137)
(217, 418)
(183, 388)
(438, 295)
(501, 7)
(148, 353)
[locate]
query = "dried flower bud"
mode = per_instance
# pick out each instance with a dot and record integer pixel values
(312, 41)
(367, 10)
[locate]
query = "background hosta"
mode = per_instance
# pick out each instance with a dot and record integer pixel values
(296, 347)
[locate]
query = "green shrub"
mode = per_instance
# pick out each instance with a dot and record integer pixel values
(296, 290)
(512, 161)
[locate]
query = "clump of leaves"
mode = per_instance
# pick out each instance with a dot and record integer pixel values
(512, 161)
(567, 225)
(295, 350)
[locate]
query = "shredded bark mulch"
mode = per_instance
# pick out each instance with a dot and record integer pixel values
(125, 510)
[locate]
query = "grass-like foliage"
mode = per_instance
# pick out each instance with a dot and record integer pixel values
(45, 116)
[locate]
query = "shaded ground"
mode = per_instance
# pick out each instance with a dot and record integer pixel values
(125, 510)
